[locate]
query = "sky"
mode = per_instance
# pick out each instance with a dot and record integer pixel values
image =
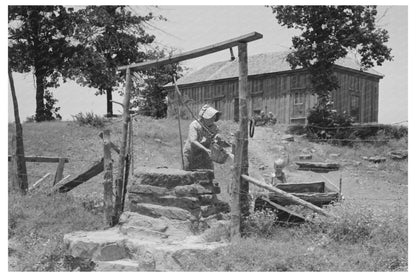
(190, 27)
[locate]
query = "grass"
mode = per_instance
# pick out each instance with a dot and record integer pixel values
(358, 240)
(371, 234)
(37, 224)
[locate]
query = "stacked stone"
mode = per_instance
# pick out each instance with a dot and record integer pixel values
(174, 194)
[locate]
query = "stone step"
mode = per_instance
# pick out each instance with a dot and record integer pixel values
(125, 265)
(188, 190)
(112, 250)
(191, 204)
(169, 177)
(157, 211)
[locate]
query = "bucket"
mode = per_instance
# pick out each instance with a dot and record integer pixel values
(218, 154)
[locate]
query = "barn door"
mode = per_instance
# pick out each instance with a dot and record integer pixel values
(298, 114)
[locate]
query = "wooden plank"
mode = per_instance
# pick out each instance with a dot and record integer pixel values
(281, 208)
(317, 198)
(318, 165)
(195, 53)
(41, 159)
(108, 179)
(59, 171)
(302, 187)
(94, 170)
(292, 198)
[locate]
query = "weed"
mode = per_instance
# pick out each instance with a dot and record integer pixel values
(89, 118)
(260, 223)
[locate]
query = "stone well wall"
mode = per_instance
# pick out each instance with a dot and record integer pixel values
(174, 194)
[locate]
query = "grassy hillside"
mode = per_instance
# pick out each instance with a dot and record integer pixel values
(371, 235)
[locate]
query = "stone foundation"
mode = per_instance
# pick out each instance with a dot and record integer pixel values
(157, 233)
(192, 194)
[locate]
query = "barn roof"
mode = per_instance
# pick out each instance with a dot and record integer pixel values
(257, 64)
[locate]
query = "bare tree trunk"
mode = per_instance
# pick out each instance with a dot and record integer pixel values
(20, 152)
(40, 105)
(109, 103)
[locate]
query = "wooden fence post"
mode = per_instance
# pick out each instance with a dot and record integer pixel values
(59, 171)
(108, 179)
(13, 165)
(122, 156)
(19, 150)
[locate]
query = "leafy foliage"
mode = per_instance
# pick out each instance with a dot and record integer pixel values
(39, 42)
(150, 95)
(328, 33)
(111, 36)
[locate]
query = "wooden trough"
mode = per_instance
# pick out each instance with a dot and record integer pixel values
(316, 193)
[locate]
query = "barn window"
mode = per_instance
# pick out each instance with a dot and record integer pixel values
(298, 99)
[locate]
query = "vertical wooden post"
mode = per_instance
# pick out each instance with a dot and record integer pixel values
(108, 179)
(13, 164)
(235, 189)
(243, 128)
(240, 186)
(19, 150)
(122, 156)
(180, 131)
(59, 171)
(127, 163)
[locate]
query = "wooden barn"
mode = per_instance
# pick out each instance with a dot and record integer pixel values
(274, 87)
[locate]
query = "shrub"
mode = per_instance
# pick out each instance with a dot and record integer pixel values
(260, 223)
(30, 119)
(89, 119)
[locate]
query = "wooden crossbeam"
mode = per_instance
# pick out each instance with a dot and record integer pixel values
(195, 53)
(41, 159)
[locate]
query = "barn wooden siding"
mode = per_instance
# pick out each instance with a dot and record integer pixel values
(287, 95)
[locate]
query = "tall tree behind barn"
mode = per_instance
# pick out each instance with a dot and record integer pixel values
(274, 87)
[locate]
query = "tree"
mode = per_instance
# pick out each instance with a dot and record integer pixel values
(149, 94)
(328, 33)
(111, 36)
(39, 42)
